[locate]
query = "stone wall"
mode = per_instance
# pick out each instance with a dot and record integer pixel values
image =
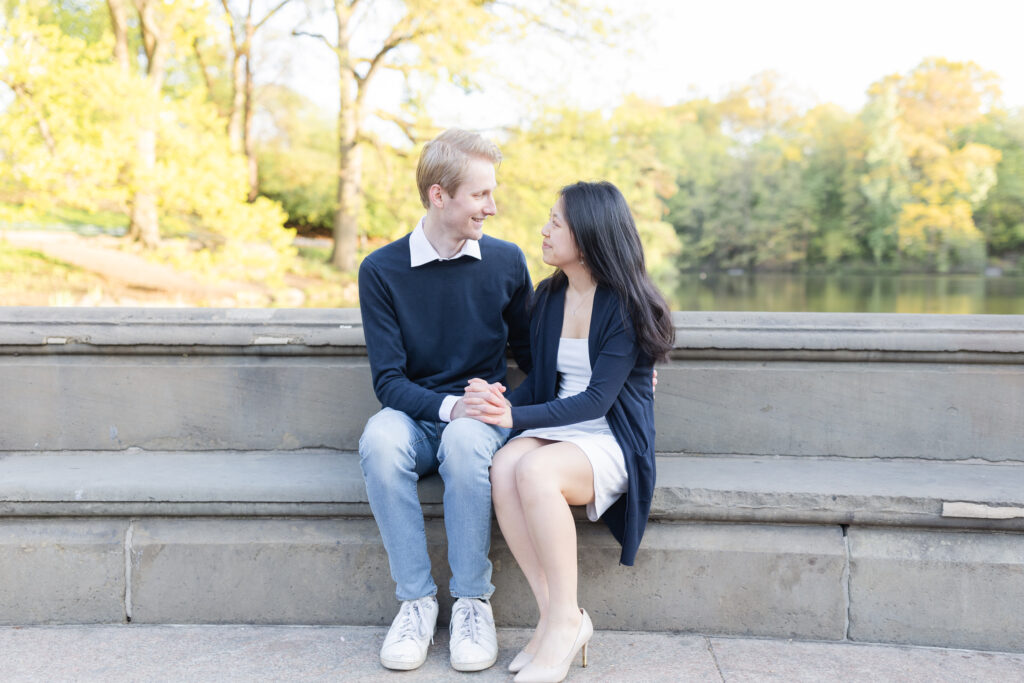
(820, 476)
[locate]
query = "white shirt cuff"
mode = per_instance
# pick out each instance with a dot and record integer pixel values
(445, 413)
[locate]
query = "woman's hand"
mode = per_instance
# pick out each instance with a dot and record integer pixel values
(485, 402)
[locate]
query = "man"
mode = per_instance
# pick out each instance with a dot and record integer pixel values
(440, 306)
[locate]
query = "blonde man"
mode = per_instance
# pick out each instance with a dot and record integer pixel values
(439, 306)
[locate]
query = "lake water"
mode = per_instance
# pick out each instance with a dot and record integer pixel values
(966, 294)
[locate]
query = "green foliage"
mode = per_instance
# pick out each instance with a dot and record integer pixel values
(566, 146)
(70, 136)
(298, 162)
(63, 140)
(298, 159)
(929, 175)
(1000, 217)
(947, 177)
(909, 181)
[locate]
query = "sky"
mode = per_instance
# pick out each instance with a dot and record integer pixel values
(832, 49)
(823, 50)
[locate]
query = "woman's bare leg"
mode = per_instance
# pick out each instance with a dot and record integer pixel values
(512, 521)
(549, 479)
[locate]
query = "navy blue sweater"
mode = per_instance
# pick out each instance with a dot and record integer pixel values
(620, 389)
(431, 328)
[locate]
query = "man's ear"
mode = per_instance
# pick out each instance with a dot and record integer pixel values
(437, 195)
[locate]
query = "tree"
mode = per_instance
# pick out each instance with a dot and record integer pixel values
(160, 24)
(1001, 216)
(63, 142)
(701, 155)
(75, 124)
(242, 28)
(428, 39)
(885, 182)
(744, 204)
(946, 176)
(832, 142)
(565, 146)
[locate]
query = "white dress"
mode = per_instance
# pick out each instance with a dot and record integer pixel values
(593, 437)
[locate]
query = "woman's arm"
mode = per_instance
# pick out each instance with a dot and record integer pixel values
(615, 360)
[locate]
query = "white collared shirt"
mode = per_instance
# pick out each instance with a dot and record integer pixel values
(421, 251)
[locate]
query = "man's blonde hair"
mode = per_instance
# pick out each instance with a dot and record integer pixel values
(444, 159)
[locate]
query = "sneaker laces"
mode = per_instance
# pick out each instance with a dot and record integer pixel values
(468, 624)
(411, 622)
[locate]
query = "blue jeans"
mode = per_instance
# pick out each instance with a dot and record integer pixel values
(394, 452)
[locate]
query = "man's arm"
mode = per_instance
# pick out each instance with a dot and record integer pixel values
(517, 317)
(387, 353)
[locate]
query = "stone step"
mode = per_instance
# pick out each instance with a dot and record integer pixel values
(770, 547)
(923, 587)
(939, 388)
(838, 477)
(794, 490)
(350, 653)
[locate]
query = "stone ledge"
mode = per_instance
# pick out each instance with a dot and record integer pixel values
(937, 588)
(777, 581)
(59, 571)
(842, 336)
(790, 490)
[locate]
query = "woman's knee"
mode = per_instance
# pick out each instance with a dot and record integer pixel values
(503, 470)
(533, 474)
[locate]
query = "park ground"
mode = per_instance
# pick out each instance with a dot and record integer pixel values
(51, 268)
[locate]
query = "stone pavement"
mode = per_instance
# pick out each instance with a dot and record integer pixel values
(349, 653)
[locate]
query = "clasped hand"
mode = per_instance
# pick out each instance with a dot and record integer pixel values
(485, 402)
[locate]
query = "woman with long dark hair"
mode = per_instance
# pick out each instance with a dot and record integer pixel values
(584, 415)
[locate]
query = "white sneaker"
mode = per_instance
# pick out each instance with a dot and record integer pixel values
(405, 646)
(473, 644)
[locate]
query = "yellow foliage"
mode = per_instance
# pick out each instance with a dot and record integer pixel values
(925, 227)
(567, 146)
(945, 177)
(74, 121)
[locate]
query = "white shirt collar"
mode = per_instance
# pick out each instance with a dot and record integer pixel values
(421, 251)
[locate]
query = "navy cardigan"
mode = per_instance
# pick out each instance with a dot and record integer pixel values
(620, 389)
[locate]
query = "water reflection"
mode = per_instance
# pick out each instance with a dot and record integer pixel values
(850, 293)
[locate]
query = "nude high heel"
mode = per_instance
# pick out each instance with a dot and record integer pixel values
(519, 661)
(553, 674)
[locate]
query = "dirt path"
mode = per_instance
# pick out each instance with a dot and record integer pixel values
(105, 256)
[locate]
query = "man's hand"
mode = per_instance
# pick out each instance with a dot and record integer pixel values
(458, 410)
(485, 402)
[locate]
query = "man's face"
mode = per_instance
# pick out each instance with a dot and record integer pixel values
(463, 213)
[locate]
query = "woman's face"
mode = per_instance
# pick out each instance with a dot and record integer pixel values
(559, 246)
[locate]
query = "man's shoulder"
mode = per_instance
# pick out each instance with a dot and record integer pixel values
(389, 255)
(500, 248)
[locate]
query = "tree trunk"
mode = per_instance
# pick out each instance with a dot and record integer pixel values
(248, 143)
(350, 171)
(350, 156)
(119, 25)
(237, 114)
(144, 223)
(142, 226)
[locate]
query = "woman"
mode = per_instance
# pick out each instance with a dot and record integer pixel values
(598, 325)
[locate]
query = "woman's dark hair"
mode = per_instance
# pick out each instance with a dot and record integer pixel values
(609, 244)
